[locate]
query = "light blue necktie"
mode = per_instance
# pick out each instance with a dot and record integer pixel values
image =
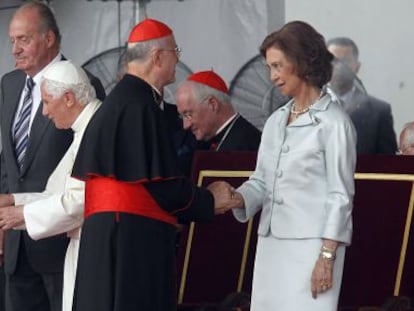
(21, 128)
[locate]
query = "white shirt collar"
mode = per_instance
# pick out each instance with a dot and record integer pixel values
(346, 98)
(86, 113)
(38, 77)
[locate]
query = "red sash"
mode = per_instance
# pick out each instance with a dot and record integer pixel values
(104, 194)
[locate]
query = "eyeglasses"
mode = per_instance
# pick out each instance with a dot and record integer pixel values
(188, 115)
(176, 50)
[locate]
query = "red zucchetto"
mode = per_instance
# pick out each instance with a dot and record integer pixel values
(209, 78)
(149, 29)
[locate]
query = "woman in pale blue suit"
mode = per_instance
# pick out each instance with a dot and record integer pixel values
(303, 182)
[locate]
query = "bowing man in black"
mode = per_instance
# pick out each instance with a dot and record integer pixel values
(184, 141)
(204, 105)
(134, 193)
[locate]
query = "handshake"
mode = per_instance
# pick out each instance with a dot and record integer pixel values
(225, 197)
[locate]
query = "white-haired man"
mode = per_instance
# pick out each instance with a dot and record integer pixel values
(69, 100)
(203, 102)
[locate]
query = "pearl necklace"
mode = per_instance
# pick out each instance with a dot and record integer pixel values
(297, 113)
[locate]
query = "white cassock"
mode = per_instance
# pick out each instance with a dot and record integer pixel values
(59, 208)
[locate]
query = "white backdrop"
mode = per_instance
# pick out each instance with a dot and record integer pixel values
(224, 34)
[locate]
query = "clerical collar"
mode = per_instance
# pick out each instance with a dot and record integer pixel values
(161, 102)
(226, 123)
(229, 125)
(83, 116)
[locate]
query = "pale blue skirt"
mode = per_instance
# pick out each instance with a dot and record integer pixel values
(282, 276)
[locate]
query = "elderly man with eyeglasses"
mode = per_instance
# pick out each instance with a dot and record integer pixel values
(205, 107)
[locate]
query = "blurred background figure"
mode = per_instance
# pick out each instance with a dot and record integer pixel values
(406, 142)
(372, 117)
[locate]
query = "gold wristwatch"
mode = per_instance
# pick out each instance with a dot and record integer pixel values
(327, 253)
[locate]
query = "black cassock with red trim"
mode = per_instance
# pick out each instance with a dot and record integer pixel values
(134, 196)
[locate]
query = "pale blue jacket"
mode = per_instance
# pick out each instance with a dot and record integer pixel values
(304, 177)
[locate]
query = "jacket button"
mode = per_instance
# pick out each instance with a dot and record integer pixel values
(21, 179)
(279, 201)
(285, 149)
(279, 173)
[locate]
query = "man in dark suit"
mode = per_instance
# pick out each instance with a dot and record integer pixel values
(372, 117)
(33, 270)
(204, 105)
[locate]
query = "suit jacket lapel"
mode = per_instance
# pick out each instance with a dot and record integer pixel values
(361, 113)
(309, 118)
(302, 120)
(284, 116)
(39, 126)
(9, 112)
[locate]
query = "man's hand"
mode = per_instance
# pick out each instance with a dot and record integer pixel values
(11, 216)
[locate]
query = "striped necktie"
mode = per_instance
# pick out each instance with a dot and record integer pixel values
(21, 128)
